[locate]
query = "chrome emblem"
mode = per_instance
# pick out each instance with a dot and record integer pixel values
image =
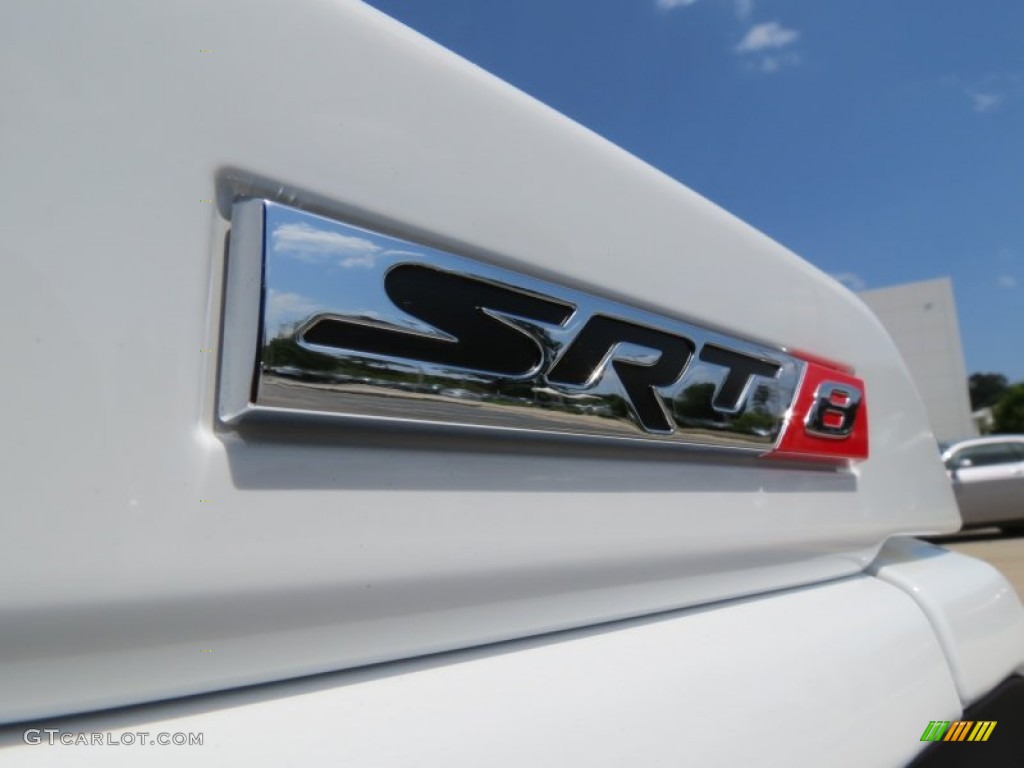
(342, 322)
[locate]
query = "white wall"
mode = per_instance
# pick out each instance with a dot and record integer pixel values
(921, 318)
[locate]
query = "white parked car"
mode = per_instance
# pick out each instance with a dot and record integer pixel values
(988, 480)
(413, 424)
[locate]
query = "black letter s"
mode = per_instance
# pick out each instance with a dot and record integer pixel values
(454, 304)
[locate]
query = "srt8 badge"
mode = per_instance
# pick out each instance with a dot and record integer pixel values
(330, 320)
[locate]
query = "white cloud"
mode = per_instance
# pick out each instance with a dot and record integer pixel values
(285, 307)
(771, 63)
(984, 102)
(668, 5)
(290, 302)
(771, 34)
(851, 280)
(1006, 281)
(309, 243)
(366, 260)
(774, 62)
(989, 92)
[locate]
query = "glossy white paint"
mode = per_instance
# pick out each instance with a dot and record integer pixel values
(976, 614)
(135, 534)
(803, 678)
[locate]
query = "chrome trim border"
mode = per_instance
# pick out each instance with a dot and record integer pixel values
(290, 272)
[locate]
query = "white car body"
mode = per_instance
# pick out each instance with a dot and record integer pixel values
(459, 600)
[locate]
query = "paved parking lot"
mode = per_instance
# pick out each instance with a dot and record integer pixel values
(1003, 551)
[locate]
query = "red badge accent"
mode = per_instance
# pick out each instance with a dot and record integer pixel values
(828, 420)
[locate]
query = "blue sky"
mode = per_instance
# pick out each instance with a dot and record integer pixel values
(882, 140)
